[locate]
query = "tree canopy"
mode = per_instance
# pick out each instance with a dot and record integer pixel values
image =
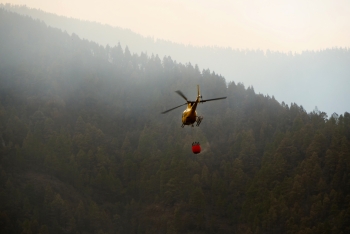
(84, 148)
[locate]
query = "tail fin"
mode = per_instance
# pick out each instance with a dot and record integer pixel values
(198, 91)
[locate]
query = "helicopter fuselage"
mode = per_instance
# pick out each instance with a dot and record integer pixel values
(189, 116)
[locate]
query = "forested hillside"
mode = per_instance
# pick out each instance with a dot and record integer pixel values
(309, 78)
(84, 148)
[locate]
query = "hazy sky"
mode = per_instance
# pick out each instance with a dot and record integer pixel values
(292, 25)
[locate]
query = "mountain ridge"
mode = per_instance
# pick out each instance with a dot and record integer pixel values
(313, 78)
(85, 148)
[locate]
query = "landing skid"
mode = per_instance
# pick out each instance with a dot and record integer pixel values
(199, 120)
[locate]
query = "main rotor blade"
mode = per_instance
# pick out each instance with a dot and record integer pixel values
(173, 108)
(181, 94)
(213, 99)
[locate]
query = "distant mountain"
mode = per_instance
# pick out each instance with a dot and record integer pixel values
(84, 148)
(312, 78)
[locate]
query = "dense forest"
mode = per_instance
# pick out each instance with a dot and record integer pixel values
(84, 148)
(311, 78)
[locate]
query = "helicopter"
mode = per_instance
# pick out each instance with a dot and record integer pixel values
(189, 116)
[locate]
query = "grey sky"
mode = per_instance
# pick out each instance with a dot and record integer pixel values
(244, 24)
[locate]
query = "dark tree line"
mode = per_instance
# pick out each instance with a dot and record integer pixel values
(84, 148)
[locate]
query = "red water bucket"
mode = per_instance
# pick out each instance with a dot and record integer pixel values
(196, 148)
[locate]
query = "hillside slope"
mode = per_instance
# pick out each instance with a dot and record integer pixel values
(84, 148)
(311, 78)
